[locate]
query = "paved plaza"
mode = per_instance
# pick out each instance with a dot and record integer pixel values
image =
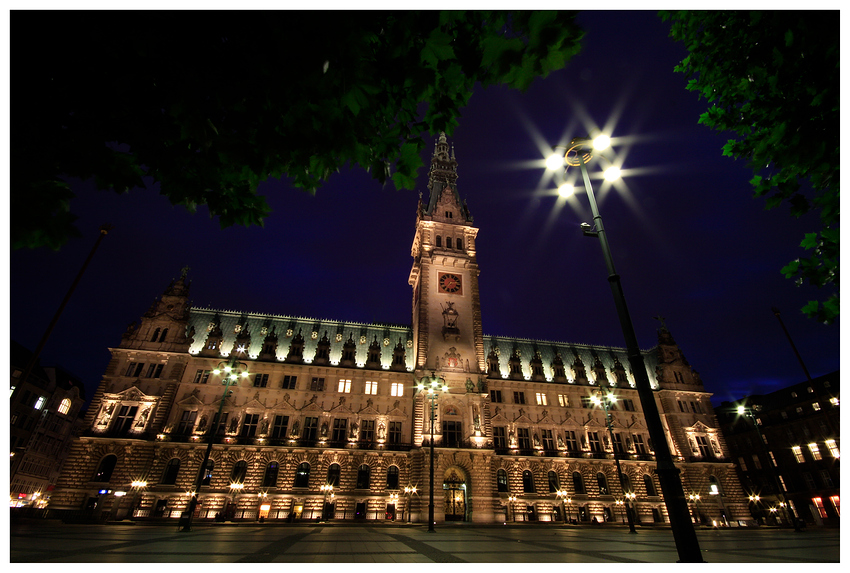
(54, 542)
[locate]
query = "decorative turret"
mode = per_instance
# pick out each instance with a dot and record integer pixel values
(444, 203)
(673, 367)
(164, 326)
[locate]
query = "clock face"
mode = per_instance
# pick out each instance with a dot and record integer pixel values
(450, 283)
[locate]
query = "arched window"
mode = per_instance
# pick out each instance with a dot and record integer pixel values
(439, 241)
(155, 335)
(527, 481)
(554, 483)
(162, 336)
(392, 477)
(650, 485)
(363, 477)
(64, 406)
(169, 476)
(714, 486)
(459, 244)
(333, 475)
(502, 480)
(237, 474)
(105, 469)
(578, 483)
(270, 477)
(302, 475)
(208, 473)
(602, 483)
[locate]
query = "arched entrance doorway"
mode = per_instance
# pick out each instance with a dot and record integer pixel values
(455, 492)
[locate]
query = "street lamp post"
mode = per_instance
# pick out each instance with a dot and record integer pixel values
(562, 495)
(137, 486)
(607, 400)
(327, 489)
(233, 369)
(687, 545)
(409, 490)
(433, 388)
(748, 413)
(394, 502)
(694, 498)
(511, 509)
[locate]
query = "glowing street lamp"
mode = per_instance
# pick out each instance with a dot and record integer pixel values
(563, 495)
(327, 489)
(409, 490)
(230, 372)
(578, 154)
(511, 508)
(434, 388)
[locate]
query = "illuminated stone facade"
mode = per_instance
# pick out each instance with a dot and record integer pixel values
(330, 402)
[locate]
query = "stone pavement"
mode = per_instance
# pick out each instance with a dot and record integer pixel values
(50, 541)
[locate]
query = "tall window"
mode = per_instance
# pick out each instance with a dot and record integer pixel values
(495, 395)
(249, 425)
(541, 399)
(239, 471)
(548, 441)
(714, 486)
(395, 433)
(187, 422)
(836, 503)
(578, 483)
(527, 481)
(602, 483)
(270, 477)
(289, 382)
(105, 469)
(833, 448)
(563, 400)
(344, 386)
(593, 441)
(281, 424)
(261, 380)
(798, 454)
(524, 439)
(702, 445)
(124, 421)
(65, 405)
(637, 440)
(367, 431)
(396, 389)
(502, 480)
(202, 376)
(499, 441)
(392, 477)
(172, 468)
(154, 371)
(554, 483)
(317, 384)
(586, 402)
(519, 397)
(302, 475)
(618, 444)
(311, 426)
(570, 437)
(459, 243)
(818, 502)
(340, 425)
(452, 434)
(813, 449)
(650, 485)
(363, 476)
(333, 475)
(371, 387)
(826, 478)
(439, 241)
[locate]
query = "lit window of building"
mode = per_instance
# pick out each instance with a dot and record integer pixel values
(65, 405)
(782, 483)
(813, 449)
(818, 502)
(396, 389)
(344, 386)
(563, 400)
(541, 399)
(39, 404)
(815, 406)
(371, 387)
(833, 401)
(833, 448)
(836, 503)
(798, 454)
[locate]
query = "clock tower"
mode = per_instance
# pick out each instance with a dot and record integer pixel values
(447, 333)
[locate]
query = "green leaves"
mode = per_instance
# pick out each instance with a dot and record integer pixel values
(772, 80)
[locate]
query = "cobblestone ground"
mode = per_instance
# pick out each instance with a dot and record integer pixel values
(53, 542)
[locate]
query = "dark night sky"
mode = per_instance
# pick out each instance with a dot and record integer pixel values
(688, 239)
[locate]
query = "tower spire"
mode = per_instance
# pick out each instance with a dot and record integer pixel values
(442, 180)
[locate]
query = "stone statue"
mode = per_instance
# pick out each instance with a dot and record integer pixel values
(382, 431)
(536, 441)
(480, 385)
(264, 427)
(324, 429)
(294, 433)
(560, 442)
(353, 432)
(234, 423)
(476, 421)
(470, 387)
(202, 425)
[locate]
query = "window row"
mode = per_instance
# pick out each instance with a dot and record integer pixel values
(280, 426)
(590, 441)
(554, 483)
(315, 384)
(814, 451)
(137, 370)
(542, 399)
(458, 242)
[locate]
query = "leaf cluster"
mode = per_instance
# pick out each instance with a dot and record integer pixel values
(772, 79)
(209, 108)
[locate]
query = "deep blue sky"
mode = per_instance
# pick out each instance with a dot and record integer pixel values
(688, 239)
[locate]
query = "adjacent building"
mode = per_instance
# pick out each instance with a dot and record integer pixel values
(326, 418)
(787, 449)
(44, 418)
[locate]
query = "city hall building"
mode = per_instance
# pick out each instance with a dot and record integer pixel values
(330, 421)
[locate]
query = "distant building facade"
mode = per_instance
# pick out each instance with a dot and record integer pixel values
(800, 427)
(333, 403)
(44, 418)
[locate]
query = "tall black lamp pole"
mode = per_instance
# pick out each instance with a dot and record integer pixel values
(579, 152)
(433, 388)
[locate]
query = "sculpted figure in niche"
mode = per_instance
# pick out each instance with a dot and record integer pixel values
(324, 429)
(512, 439)
(470, 386)
(264, 427)
(536, 441)
(143, 419)
(234, 423)
(480, 385)
(202, 425)
(560, 442)
(295, 429)
(382, 431)
(353, 432)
